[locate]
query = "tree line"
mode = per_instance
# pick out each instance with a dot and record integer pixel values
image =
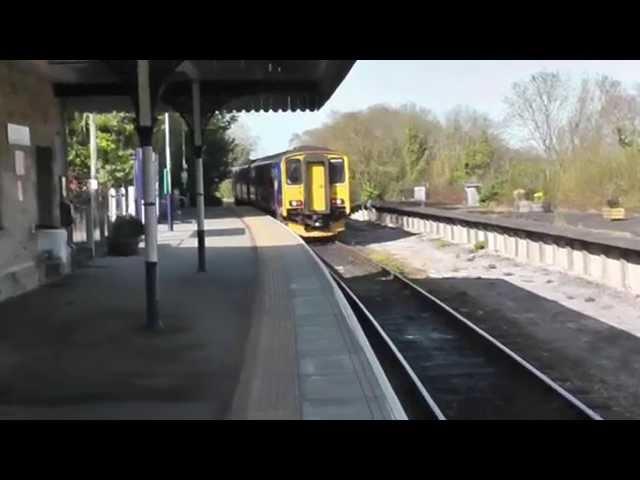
(576, 143)
(117, 141)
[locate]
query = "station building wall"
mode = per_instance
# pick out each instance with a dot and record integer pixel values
(27, 100)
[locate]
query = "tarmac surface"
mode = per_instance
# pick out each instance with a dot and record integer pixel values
(232, 344)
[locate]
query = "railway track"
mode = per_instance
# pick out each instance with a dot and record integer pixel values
(441, 365)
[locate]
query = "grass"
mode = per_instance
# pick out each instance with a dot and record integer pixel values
(440, 243)
(390, 262)
(479, 246)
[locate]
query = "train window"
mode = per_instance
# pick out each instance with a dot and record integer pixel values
(336, 170)
(294, 172)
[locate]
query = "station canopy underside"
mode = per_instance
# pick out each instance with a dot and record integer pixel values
(225, 85)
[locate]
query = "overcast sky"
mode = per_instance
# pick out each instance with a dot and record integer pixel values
(438, 85)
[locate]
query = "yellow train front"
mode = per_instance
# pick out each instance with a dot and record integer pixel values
(306, 188)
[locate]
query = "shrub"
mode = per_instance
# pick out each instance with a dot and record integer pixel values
(369, 192)
(225, 190)
(494, 192)
(481, 245)
(127, 227)
(125, 235)
(213, 201)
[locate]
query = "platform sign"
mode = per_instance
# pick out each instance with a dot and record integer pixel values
(18, 135)
(420, 194)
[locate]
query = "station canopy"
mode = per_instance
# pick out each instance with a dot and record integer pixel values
(225, 85)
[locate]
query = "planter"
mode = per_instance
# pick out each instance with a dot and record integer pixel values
(124, 247)
(614, 213)
(537, 207)
(125, 236)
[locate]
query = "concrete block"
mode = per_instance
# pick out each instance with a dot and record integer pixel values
(578, 262)
(467, 235)
(330, 409)
(522, 250)
(632, 277)
(343, 386)
(492, 241)
(595, 265)
(501, 246)
(511, 246)
(614, 272)
(534, 252)
(449, 234)
(563, 257)
(548, 253)
(457, 234)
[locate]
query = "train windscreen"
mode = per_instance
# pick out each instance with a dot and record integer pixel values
(336, 170)
(294, 172)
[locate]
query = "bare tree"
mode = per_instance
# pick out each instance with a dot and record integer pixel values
(245, 144)
(620, 111)
(539, 107)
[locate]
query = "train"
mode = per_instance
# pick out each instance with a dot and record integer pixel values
(306, 188)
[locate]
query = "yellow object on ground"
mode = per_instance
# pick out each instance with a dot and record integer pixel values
(614, 213)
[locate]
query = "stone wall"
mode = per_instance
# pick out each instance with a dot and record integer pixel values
(26, 98)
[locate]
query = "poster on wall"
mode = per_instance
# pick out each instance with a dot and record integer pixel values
(18, 135)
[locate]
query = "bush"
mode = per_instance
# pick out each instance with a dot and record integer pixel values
(127, 226)
(213, 201)
(494, 192)
(225, 190)
(481, 245)
(369, 192)
(125, 235)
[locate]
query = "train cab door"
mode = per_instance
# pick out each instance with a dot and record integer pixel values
(317, 185)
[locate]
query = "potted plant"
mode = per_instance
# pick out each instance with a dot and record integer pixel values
(614, 209)
(538, 204)
(125, 236)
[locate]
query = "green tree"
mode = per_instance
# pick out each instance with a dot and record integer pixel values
(476, 160)
(415, 156)
(216, 156)
(116, 140)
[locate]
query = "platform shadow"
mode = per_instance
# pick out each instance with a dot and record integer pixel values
(361, 233)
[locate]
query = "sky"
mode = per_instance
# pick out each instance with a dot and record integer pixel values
(438, 85)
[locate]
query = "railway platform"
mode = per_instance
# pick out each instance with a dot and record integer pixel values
(263, 334)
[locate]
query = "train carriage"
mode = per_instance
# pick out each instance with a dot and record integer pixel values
(307, 188)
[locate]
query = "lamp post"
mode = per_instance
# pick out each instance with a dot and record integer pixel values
(169, 190)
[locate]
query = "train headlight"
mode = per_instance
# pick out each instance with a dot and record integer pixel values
(296, 203)
(337, 201)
